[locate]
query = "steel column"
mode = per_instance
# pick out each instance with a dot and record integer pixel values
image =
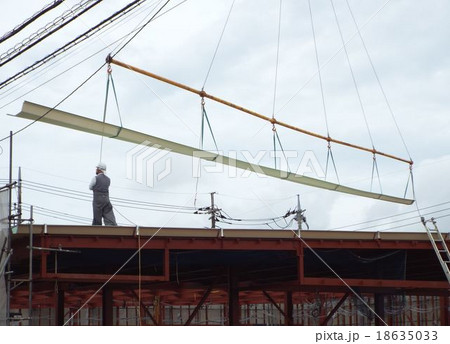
(107, 306)
(166, 267)
(379, 309)
(445, 311)
(289, 308)
(59, 307)
(300, 262)
(234, 310)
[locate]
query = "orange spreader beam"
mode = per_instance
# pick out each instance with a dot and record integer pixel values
(274, 121)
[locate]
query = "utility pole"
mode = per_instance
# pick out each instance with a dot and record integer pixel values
(8, 272)
(19, 197)
(30, 271)
(213, 212)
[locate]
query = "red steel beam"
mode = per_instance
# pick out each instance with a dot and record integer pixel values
(272, 301)
(199, 305)
(129, 242)
(335, 309)
(289, 306)
(319, 281)
(142, 305)
(76, 277)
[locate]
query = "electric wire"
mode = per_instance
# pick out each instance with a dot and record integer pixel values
(222, 216)
(64, 215)
(44, 71)
(59, 103)
(85, 35)
(160, 228)
(43, 33)
(86, 196)
(28, 21)
(120, 269)
(390, 216)
(64, 99)
(143, 205)
(120, 19)
(140, 29)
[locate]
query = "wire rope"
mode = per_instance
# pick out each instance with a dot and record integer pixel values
(378, 80)
(355, 84)
(119, 269)
(140, 29)
(340, 278)
(59, 103)
(218, 45)
(319, 73)
(332, 57)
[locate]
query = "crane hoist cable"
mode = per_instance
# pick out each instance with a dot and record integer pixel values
(330, 155)
(276, 138)
(201, 143)
(36, 112)
(206, 119)
(273, 120)
(110, 80)
(322, 93)
(375, 169)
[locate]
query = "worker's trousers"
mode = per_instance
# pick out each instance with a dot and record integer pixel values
(103, 209)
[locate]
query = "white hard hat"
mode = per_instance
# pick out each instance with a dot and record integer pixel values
(101, 166)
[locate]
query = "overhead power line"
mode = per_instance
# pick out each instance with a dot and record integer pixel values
(80, 38)
(28, 21)
(117, 201)
(57, 24)
(393, 216)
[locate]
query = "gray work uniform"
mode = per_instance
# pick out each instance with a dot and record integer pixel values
(101, 204)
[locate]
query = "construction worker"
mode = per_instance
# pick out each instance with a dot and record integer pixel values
(101, 204)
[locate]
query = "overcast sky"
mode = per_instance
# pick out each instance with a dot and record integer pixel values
(407, 44)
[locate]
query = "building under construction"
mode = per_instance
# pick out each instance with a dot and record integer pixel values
(101, 275)
(91, 275)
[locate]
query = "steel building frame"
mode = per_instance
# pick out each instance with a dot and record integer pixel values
(170, 267)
